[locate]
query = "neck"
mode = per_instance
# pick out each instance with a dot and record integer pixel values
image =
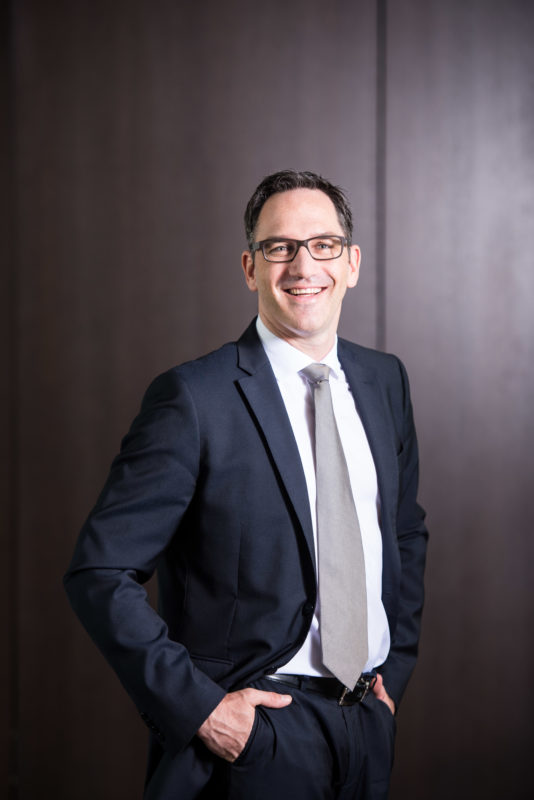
(317, 346)
(317, 351)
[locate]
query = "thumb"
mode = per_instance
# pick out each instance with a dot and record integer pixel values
(258, 697)
(378, 686)
(380, 691)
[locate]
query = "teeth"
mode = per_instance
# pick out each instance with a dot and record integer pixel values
(304, 291)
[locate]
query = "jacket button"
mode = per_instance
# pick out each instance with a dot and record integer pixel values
(307, 609)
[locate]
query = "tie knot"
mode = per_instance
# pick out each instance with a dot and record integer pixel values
(316, 373)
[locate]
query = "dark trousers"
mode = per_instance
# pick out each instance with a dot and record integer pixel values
(313, 749)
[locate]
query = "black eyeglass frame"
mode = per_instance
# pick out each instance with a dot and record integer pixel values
(299, 243)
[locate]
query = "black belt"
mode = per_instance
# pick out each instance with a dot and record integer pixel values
(329, 687)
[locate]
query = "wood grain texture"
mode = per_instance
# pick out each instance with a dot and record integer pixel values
(8, 415)
(141, 131)
(460, 291)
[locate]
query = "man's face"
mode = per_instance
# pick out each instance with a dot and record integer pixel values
(300, 301)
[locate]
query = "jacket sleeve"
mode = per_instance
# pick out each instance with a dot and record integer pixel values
(150, 486)
(412, 542)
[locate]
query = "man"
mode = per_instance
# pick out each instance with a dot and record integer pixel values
(222, 485)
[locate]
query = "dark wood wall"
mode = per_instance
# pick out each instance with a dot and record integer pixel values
(460, 310)
(136, 133)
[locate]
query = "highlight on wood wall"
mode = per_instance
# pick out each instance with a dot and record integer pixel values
(136, 133)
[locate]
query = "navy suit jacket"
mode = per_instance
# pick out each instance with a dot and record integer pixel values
(209, 490)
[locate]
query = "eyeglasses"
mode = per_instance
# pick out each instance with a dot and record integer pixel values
(321, 248)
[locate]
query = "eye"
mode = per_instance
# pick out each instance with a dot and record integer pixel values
(279, 248)
(323, 245)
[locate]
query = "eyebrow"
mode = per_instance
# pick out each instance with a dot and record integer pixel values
(294, 238)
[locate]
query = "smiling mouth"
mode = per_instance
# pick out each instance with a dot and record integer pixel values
(311, 290)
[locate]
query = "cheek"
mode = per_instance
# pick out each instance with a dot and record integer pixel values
(266, 284)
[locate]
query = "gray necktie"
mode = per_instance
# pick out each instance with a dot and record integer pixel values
(343, 616)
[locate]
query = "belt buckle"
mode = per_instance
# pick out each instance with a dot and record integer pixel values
(341, 698)
(363, 684)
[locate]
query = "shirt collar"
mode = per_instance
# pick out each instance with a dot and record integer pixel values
(287, 360)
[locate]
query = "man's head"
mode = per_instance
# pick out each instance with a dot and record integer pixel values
(300, 283)
(289, 179)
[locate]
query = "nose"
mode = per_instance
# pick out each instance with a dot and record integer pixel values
(303, 265)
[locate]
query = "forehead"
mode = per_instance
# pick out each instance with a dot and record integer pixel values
(298, 213)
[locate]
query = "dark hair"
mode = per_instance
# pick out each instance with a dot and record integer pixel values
(289, 179)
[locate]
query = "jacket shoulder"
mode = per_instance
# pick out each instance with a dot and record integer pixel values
(369, 358)
(224, 365)
(207, 368)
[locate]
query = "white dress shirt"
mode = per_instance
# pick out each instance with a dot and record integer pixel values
(286, 362)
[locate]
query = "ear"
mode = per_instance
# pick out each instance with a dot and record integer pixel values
(249, 268)
(355, 257)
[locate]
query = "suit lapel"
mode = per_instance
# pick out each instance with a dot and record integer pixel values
(261, 392)
(375, 420)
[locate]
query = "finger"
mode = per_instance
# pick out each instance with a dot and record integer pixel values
(380, 691)
(257, 697)
(378, 686)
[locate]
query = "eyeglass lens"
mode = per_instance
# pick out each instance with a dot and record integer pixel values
(320, 247)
